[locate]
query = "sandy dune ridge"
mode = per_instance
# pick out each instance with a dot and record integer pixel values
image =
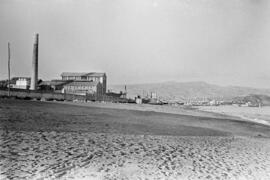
(72, 155)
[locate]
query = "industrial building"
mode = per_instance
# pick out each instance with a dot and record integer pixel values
(87, 77)
(91, 83)
(53, 85)
(83, 88)
(20, 82)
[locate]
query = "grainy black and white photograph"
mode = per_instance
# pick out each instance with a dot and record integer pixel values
(134, 89)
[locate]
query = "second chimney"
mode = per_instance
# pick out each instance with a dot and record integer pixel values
(34, 77)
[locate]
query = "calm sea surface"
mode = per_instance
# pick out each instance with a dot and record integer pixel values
(257, 114)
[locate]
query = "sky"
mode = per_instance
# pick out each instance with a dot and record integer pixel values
(224, 42)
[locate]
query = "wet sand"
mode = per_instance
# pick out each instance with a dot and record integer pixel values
(59, 141)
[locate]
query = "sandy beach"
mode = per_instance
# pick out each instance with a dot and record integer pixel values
(41, 140)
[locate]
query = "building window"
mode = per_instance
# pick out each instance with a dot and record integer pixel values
(84, 78)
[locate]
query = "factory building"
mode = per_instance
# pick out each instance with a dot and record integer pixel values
(96, 78)
(53, 85)
(83, 88)
(20, 82)
(23, 83)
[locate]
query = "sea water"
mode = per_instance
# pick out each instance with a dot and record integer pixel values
(255, 114)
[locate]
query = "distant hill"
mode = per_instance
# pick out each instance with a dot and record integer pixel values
(182, 91)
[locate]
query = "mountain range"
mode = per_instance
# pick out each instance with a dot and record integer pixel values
(182, 91)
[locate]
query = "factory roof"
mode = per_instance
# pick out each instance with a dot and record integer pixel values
(93, 74)
(82, 83)
(16, 78)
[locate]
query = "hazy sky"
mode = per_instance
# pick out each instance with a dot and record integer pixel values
(226, 42)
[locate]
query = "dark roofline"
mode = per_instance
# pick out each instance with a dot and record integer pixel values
(20, 77)
(93, 83)
(82, 73)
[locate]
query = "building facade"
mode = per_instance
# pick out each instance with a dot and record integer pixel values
(84, 77)
(83, 88)
(21, 83)
(53, 85)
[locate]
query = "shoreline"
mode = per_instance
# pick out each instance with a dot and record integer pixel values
(178, 110)
(244, 113)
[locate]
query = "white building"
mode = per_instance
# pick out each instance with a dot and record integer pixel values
(22, 83)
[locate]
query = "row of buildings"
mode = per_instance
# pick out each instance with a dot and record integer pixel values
(94, 83)
(70, 82)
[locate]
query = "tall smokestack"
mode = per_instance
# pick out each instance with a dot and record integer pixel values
(34, 77)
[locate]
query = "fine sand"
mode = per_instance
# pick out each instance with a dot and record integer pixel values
(41, 140)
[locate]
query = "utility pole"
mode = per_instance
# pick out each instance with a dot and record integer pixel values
(8, 69)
